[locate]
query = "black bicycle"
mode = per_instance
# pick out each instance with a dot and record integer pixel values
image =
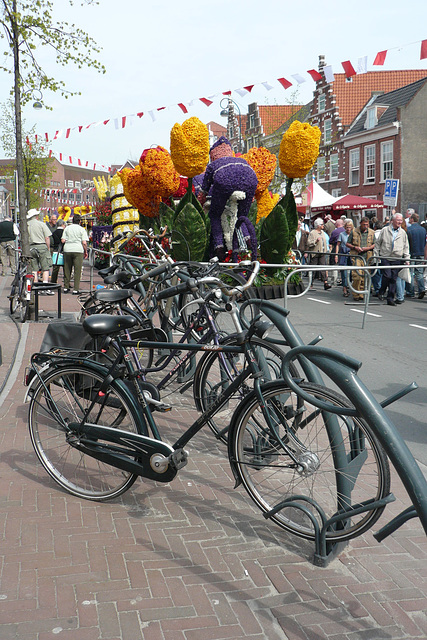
(21, 291)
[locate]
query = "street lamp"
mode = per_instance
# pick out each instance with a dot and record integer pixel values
(226, 113)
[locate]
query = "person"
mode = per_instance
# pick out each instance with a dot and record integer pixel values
(74, 239)
(300, 242)
(318, 242)
(8, 233)
(333, 242)
(342, 255)
(329, 225)
(377, 275)
(417, 236)
(305, 226)
(409, 213)
(361, 243)
(39, 237)
(53, 222)
(392, 247)
(57, 246)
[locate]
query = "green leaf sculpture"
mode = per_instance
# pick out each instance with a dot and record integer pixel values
(278, 229)
(189, 234)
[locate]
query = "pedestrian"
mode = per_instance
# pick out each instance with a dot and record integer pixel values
(361, 243)
(342, 255)
(57, 247)
(8, 233)
(333, 242)
(392, 247)
(53, 221)
(74, 239)
(318, 242)
(329, 225)
(39, 236)
(417, 236)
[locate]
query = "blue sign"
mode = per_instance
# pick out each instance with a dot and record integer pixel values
(390, 192)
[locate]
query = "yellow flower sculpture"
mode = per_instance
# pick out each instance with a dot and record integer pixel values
(190, 147)
(299, 149)
(64, 213)
(266, 203)
(101, 187)
(264, 164)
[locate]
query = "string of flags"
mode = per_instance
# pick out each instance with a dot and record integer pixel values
(286, 83)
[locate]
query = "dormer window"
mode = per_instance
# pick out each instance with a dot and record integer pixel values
(371, 118)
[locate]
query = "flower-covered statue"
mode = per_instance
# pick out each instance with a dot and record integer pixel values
(225, 176)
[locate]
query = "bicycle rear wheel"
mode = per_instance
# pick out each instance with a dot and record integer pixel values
(64, 398)
(308, 458)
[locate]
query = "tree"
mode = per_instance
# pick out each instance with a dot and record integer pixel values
(28, 24)
(37, 165)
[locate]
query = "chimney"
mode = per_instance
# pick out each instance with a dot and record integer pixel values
(322, 62)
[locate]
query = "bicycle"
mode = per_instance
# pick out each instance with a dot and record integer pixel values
(94, 436)
(21, 290)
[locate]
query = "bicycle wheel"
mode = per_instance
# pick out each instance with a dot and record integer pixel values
(13, 299)
(216, 371)
(24, 308)
(64, 398)
(307, 457)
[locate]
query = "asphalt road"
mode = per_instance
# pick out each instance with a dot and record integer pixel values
(392, 347)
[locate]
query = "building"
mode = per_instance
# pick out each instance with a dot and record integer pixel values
(65, 185)
(387, 140)
(336, 107)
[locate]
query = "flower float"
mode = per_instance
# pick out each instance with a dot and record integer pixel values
(64, 213)
(125, 217)
(298, 152)
(190, 147)
(225, 175)
(299, 149)
(153, 179)
(263, 162)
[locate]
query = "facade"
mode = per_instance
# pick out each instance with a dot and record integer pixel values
(387, 141)
(67, 185)
(337, 106)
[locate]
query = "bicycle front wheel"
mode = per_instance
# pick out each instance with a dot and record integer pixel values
(216, 371)
(66, 397)
(303, 463)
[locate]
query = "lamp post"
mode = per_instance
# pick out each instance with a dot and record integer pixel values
(226, 113)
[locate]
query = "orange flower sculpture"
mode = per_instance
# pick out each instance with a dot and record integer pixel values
(155, 177)
(263, 162)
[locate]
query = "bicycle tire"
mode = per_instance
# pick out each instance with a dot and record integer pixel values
(13, 300)
(215, 371)
(24, 309)
(270, 475)
(64, 397)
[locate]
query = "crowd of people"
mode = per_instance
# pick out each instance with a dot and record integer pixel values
(394, 244)
(53, 245)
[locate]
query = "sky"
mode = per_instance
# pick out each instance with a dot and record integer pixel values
(165, 53)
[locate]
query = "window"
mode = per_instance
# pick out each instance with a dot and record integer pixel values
(371, 118)
(327, 131)
(370, 164)
(321, 101)
(386, 161)
(249, 143)
(354, 167)
(255, 141)
(333, 166)
(78, 197)
(321, 169)
(77, 184)
(2, 180)
(71, 197)
(336, 193)
(70, 183)
(251, 121)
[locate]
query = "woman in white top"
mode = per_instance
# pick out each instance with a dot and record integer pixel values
(75, 241)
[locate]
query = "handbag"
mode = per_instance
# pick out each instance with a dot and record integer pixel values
(405, 274)
(58, 258)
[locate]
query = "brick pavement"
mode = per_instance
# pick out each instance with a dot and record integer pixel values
(193, 560)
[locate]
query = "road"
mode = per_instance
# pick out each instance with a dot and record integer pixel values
(391, 348)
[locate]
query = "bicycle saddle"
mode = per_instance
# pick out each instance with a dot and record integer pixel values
(102, 325)
(112, 295)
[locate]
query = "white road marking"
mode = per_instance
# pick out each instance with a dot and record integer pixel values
(418, 326)
(376, 315)
(321, 301)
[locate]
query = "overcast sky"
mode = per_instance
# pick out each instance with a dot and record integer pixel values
(161, 54)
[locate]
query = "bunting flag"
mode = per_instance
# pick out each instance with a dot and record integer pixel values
(349, 70)
(285, 83)
(315, 75)
(329, 74)
(380, 58)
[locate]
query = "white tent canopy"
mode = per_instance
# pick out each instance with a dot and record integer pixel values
(314, 197)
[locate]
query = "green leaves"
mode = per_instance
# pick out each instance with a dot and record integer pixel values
(189, 234)
(278, 230)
